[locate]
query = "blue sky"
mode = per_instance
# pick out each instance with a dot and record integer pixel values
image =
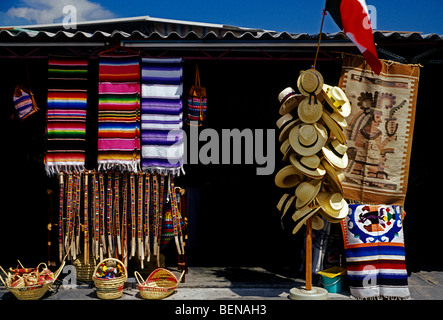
(284, 15)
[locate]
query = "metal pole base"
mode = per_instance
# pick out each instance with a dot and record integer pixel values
(315, 293)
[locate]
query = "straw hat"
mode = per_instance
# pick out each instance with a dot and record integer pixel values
(309, 111)
(289, 100)
(285, 202)
(335, 153)
(317, 223)
(337, 99)
(286, 123)
(286, 150)
(308, 165)
(300, 216)
(288, 177)
(308, 139)
(334, 126)
(306, 192)
(334, 177)
(310, 82)
(333, 205)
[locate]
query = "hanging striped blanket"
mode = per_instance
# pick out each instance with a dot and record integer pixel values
(375, 253)
(161, 119)
(119, 113)
(66, 115)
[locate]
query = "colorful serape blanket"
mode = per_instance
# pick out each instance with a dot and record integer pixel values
(375, 253)
(66, 115)
(119, 113)
(162, 115)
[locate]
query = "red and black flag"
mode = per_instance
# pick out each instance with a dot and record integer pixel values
(352, 17)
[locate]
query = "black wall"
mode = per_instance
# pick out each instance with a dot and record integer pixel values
(233, 220)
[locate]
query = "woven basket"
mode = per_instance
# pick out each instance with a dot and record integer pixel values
(110, 288)
(34, 292)
(85, 272)
(160, 284)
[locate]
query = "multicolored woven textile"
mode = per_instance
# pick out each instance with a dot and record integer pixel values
(161, 119)
(119, 113)
(379, 132)
(66, 115)
(375, 253)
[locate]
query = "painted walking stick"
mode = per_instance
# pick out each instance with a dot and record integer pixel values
(146, 220)
(60, 217)
(86, 218)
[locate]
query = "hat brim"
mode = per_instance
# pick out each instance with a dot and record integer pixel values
(332, 177)
(288, 177)
(300, 204)
(300, 216)
(322, 135)
(290, 104)
(286, 150)
(331, 213)
(284, 133)
(317, 223)
(334, 160)
(318, 173)
(334, 127)
(285, 203)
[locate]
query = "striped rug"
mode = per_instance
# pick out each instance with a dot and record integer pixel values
(66, 115)
(161, 115)
(375, 253)
(119, 113)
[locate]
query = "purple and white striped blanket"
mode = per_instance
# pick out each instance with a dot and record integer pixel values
(162, 115)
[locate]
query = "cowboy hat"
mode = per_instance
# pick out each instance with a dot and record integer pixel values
(309, 111)
(289, 100)
(333, 177)
(306, 192)
(333, 205)
(300, 216)
(308, 139)
(310, 82)
(337, 99)
(333, 127)
(285, 202)
(288, 177)
(335, 154)
(286, 123)
(286, 150)
(308, 165)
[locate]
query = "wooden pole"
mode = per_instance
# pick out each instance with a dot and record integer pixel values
(308, 255)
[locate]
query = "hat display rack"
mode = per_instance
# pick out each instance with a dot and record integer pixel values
(313, 146)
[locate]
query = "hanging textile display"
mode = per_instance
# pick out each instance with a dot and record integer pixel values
(380, 128)
(119, 113)
(375, 253)
(161, 115)
(66, 115)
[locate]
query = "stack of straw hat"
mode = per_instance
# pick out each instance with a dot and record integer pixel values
(313, 145)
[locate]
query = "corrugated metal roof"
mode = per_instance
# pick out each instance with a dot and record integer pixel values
(240, 35)
(149, 28)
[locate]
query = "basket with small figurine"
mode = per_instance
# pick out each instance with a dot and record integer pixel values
(109, 278)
